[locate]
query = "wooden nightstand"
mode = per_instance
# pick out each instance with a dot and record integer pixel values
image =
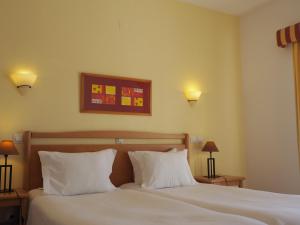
(13, 207)
(222, 180)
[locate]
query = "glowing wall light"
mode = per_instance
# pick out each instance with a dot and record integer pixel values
(24, 80)
(192, 95)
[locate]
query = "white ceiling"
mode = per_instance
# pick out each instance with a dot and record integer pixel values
(234, 7)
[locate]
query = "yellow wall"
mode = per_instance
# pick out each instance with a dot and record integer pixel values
(169, 42)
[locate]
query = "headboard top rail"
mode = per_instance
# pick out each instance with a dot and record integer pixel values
(107, 134)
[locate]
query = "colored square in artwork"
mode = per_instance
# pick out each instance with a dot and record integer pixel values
(97, 89)
(110, 90)
(132, 92)
(126, 91)
(138, 92)
(110, 99)
(98, 98)
(126, 101)
(96, 101)
(138, 102)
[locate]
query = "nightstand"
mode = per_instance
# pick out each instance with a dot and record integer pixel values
(13, 207)
(222, 180)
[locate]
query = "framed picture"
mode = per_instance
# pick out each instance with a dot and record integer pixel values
(114, 95)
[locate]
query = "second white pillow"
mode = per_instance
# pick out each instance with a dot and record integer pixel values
(162, 170)
(137, 170)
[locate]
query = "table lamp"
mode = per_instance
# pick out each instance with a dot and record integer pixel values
(210, 147)
(7, 147)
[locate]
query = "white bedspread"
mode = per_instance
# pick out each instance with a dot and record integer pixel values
(123, 207)
(271, 208)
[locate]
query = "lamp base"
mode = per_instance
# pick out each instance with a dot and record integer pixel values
(211, 171)
(5, 172)
(7, 191)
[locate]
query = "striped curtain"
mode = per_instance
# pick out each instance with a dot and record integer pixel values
(291, 35)
(296, 58)
(288, 35)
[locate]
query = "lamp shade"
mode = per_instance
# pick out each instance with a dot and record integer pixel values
(23, 78)
(210, 146)
(193, 95)
(7, 147)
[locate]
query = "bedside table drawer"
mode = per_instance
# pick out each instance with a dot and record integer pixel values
(222, 180)
(9, 202)
(13, 207)
(9, 215)
(233, 183)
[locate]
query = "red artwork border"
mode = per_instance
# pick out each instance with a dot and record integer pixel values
(86, 105)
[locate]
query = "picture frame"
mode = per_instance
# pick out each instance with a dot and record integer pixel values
(108, 94)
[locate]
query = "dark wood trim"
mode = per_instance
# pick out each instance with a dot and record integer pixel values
(81, 93)
(115, 113)
(115, 77)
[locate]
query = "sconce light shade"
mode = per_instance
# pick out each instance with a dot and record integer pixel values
(193, 96)
(23, 78)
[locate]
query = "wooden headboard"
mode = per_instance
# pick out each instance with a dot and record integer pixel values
(122, 169)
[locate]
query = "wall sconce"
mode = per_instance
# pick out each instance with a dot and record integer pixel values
(23, 80)
(193, 95)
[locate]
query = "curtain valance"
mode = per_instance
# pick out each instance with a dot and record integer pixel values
(288, 35)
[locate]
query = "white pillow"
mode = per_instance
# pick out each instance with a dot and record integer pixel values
(165, 169)
(136, 168)
(77, 173)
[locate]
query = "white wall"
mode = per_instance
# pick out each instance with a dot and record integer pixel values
(269, 103)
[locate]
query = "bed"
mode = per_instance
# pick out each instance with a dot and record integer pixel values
(270, 208)
(123, 207)
(116, 207)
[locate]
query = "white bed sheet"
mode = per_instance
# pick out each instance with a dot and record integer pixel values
(271, 208)
(123, 207)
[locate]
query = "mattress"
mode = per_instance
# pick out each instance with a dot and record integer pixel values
(123, 207)
(271, 208)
